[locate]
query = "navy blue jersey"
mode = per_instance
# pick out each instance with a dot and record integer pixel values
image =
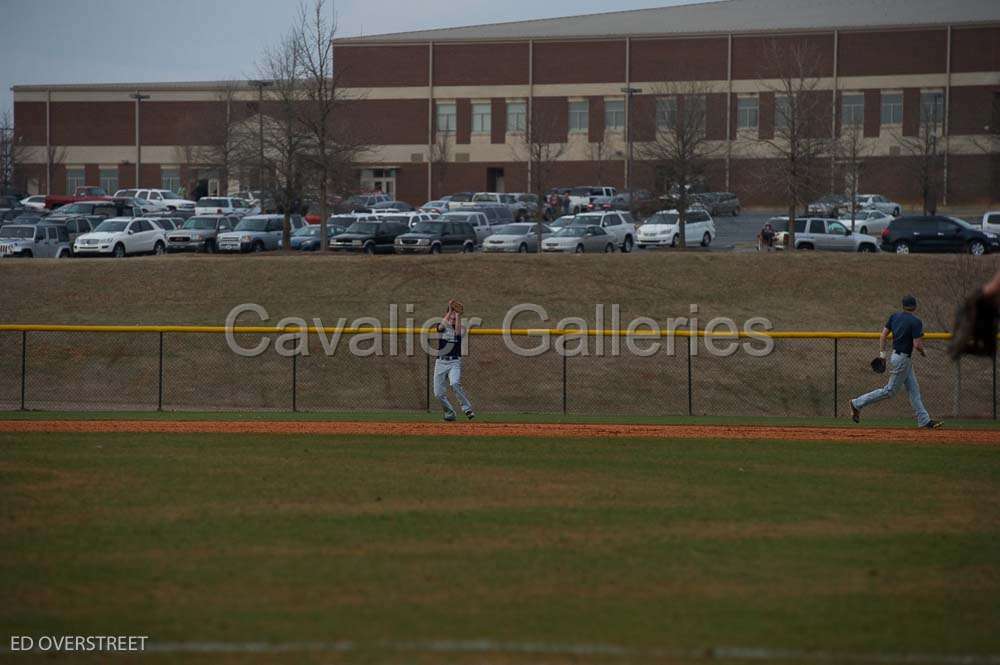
(905, 327)
(449, 343)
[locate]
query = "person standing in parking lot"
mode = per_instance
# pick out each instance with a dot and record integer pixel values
(907, 334)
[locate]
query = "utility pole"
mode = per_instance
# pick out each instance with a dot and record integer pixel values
(260, 85)
(138, 97)
(629, 91)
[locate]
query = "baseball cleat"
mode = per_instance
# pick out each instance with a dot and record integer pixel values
(470, 414)
(932, 424)
(855, 413)
(449, 416)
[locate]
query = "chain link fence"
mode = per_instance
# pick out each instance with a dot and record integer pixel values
(150, 369)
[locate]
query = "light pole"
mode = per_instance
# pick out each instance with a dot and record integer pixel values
(629, 91)
(260, 85)
(138, 97)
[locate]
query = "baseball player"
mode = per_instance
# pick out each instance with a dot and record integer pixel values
(448, 366)
(907, 334)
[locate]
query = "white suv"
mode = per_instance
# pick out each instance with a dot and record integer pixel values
(163, 199)
(121, 236)
(221, 205)
(661, 229)
(616, 223)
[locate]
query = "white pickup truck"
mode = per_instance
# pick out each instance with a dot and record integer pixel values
(485, 197)
(580, 198)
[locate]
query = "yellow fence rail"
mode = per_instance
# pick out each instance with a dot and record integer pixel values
(514, 332)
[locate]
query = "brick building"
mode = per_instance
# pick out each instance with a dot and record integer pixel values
(446, 110)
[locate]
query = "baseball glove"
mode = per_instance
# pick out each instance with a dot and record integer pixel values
(975, 330)
(456, 306)
(878, 365)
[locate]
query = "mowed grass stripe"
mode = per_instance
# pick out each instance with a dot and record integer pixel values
(644, 544)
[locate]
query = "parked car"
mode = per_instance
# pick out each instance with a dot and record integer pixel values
(868, 222)
(257, 233)
(829, 206)
(369, 237)
(438, 207)
(436, 237)
(121, 236)
(159, 198)
(497, 214)
(166, 223)
(393, 206)
(307, 239)
(720, 203)
(641, 202)
(221, 205)
(936, 233)
(200, 233)
(42, 241)
(36, 201)
(878, 202)
(81, 193)
(77, 226)
(813, 233)
(991, 222)
(477, 218)
(11, 207)
(579, 239)
(102, 208)
(580, 198)
(617, 223)
(363, 203)
(520, 238)
(411, 219)
(662, 229)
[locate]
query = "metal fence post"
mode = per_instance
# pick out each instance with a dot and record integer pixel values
(691, 341)
(159, 391)
(295, 375)
(24, 367)
(563, 380)
(835, 357)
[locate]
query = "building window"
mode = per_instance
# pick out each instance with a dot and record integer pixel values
(109, 180)
(75, 178)
(666, 112)
(579, 115)
(614, 114)
(516, 116)
(931, 108)
(446, 118)
(853, 110)
(481, 118)
(782, 112)
(892, 108)
(747, 113)
(170, 179)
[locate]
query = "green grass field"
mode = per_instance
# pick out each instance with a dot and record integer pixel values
(546, 550)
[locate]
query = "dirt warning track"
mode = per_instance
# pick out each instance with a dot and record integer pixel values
(481, 429)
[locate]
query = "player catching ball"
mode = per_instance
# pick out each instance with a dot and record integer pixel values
(448, 366)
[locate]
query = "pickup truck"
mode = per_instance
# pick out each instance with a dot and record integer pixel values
(480, 198)
(86, 193)
(580, 198)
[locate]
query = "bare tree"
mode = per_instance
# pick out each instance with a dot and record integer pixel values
(601, 152)
(440, 159)
(801, 113)
(229, 136)
(285, 139)
(680, 151)
(13, 154)
(332, 147)
(924, 162)
(851, 151)
(54, 156)
(542, 148)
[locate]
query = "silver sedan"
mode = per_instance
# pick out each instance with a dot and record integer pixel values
(520, 238)
(580, 239)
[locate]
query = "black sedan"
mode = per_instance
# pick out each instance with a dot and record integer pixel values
(936, 233)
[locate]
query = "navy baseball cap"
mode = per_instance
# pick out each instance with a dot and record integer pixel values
(909, 302)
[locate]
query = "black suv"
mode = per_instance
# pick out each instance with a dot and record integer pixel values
(437, 237)
(368, 237)
(935, 233)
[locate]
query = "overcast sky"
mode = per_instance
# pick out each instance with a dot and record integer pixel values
(107, 41)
